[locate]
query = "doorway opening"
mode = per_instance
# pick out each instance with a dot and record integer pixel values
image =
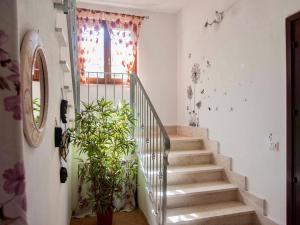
(293, 118)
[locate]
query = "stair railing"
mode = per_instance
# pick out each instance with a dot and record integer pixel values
(110, 86)
(152, 139)
(153, 147)
(153, 143)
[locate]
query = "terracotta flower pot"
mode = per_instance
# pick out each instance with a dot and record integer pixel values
(105, 219)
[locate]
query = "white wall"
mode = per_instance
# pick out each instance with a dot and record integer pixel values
(157, 64)
(247, 74)
(144, 201)
(157, 59)
(48, 200)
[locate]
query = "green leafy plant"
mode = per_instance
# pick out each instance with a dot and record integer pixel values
(36, 105)
(104, 139)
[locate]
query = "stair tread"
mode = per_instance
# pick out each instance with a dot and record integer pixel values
(206, 187)
(185, 152)
(198, 213)
(194, 168)
(183, 138)
(189, 152)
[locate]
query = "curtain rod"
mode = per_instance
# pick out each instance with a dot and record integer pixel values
(144, 17)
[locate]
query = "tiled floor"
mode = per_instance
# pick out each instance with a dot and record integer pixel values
(133, 218)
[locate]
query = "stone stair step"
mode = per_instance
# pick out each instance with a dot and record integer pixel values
(200, 193)
(190, 157)
(182, 143)
(194, 168)
(194, 174)
(225, 213)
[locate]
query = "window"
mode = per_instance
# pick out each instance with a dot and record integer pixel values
(107, 43)
(93, 50)
(107, 54)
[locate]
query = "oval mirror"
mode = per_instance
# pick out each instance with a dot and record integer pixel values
(34, 88)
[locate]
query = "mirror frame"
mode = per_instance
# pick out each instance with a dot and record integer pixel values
(32, 47)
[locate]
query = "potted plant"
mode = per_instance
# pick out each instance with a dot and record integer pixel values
(104, 140)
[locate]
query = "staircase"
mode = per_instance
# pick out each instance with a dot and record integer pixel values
(198, 191)
(187, 181)
(184, 180)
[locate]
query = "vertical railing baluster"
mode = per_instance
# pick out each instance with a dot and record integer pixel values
(160, 177)
(144, 132)
(88, 87)
(157, 171)
(143, 126)
(149, 152)
(136, 95)
(104, 85)
(114, 75)
(122, 86)
(149, 145)
(132, 87)
(149, 138)
(138, 114)
(140, 110)
(152, 153)
(165, 164)
(146, 111)
(97, 82)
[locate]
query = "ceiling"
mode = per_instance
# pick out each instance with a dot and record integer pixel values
(168, 6)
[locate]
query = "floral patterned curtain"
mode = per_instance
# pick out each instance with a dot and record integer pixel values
(124, 33)
(88, 35)
(12, 178)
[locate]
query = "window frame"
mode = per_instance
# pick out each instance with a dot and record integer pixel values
(108, 79)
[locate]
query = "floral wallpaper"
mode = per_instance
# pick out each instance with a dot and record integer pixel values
(12, 177)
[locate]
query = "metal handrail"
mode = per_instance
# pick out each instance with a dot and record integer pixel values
(153, 157)
(166, 136)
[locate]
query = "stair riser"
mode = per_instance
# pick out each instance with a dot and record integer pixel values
(197, 177)
(244, 219)
(201, 199)
(186, 145)
(187, 131)
(185, 160)
(181, 160)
